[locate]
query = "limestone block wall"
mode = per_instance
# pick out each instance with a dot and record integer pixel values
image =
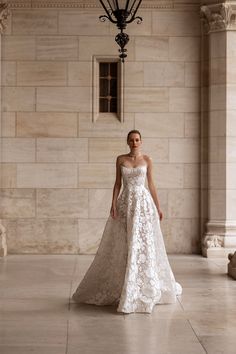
(58, 166)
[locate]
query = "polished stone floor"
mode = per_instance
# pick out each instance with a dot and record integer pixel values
(37, 315)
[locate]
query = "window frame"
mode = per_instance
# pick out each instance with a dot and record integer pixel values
(97, 59)
(108, 93)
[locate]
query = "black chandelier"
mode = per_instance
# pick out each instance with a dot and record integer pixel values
(121, 12)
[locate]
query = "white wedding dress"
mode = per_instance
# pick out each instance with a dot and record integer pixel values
(131, 268)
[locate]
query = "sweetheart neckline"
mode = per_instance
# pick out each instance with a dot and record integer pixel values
(133, 168)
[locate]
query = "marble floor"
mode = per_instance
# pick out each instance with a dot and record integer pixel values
(38, 316)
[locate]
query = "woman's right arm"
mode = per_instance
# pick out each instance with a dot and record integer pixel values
(116, 189)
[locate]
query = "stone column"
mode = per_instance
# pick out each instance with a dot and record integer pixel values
(219, 24)
(4, 12)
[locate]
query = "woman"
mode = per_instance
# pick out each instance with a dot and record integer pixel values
(131, 268)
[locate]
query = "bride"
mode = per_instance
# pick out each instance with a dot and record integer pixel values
(131, 268)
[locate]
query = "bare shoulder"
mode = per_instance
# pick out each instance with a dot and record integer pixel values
(148, 160)
(120, 159)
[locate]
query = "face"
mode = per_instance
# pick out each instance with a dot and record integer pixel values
(134, 141)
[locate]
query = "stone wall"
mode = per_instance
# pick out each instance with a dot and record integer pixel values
(57, 164)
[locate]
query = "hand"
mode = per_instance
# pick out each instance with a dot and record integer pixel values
(160, 214)
(113, 212)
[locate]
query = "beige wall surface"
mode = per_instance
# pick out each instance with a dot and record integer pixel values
(58, 166)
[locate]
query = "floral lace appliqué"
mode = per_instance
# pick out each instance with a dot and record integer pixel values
(131, 267)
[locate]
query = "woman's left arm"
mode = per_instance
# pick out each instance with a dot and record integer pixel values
(152, 187)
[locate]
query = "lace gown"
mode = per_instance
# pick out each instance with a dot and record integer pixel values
(131, 268)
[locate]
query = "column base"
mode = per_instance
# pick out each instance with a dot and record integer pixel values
(217, 252)
(220, 239)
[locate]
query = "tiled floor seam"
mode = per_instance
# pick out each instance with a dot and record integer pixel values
(197, 336)
(67, 336)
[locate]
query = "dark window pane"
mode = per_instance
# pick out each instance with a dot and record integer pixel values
(108, 87)
(113, 89)
(103, 105)
(104, 87)
(104, 69)
(113, 105)
(113, 69)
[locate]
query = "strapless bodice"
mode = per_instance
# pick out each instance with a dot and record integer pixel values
(134, 176)
(131, 267)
